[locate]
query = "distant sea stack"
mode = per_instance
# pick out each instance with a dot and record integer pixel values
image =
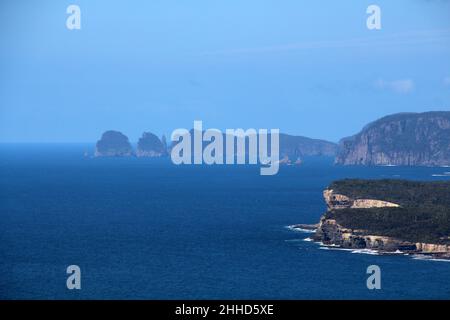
(113, 144)
(149, 145)
(414, 139)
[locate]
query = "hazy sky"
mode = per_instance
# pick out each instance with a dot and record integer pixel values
(306, 67)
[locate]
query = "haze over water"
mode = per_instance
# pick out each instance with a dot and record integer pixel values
(146, 229)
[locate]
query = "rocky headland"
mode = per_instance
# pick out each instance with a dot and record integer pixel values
(389, 216)
(411, 139)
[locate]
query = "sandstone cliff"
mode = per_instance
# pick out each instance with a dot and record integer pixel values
(400, 139)
(340, 233)
(339, 201)
(329, 232)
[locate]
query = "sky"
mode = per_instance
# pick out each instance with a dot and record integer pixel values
(309, 68)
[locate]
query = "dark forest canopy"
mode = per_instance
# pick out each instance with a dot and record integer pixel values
(423, 215)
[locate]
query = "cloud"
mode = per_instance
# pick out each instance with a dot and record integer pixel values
(402, 86)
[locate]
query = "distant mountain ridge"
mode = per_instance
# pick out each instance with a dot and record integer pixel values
(292, 148)
(414, 139)
(400, 139)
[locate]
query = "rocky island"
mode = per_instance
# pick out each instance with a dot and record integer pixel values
(149, 145)
(411, 139)
(113, 144)
(388, 216)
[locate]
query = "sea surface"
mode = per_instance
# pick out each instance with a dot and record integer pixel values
(147, 229)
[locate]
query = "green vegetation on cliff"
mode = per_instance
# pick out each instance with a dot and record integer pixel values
(424, 215)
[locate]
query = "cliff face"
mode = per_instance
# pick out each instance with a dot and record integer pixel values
(338, 201)
(113, 144)
(400, 139)
(149, 145)
(330, 232)
(293, 148)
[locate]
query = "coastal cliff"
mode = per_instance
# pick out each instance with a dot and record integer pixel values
(339, 201)
(411, 139)
(390, 223)
(294, 148)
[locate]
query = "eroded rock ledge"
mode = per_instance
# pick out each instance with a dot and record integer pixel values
(330, 232)
(337, 201)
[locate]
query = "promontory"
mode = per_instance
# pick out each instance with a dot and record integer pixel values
(410, 139)
(387, 216)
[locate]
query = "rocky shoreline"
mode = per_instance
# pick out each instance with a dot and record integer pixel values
(329, 232)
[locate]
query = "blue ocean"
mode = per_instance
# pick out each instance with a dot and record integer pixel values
(147, 229)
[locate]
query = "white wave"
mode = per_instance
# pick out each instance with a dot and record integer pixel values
(323, 246)
(366, 251)
(440, 260)
(294, 228)
(428, 258)
(335, 248)
(306, 230)
(332, 247)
